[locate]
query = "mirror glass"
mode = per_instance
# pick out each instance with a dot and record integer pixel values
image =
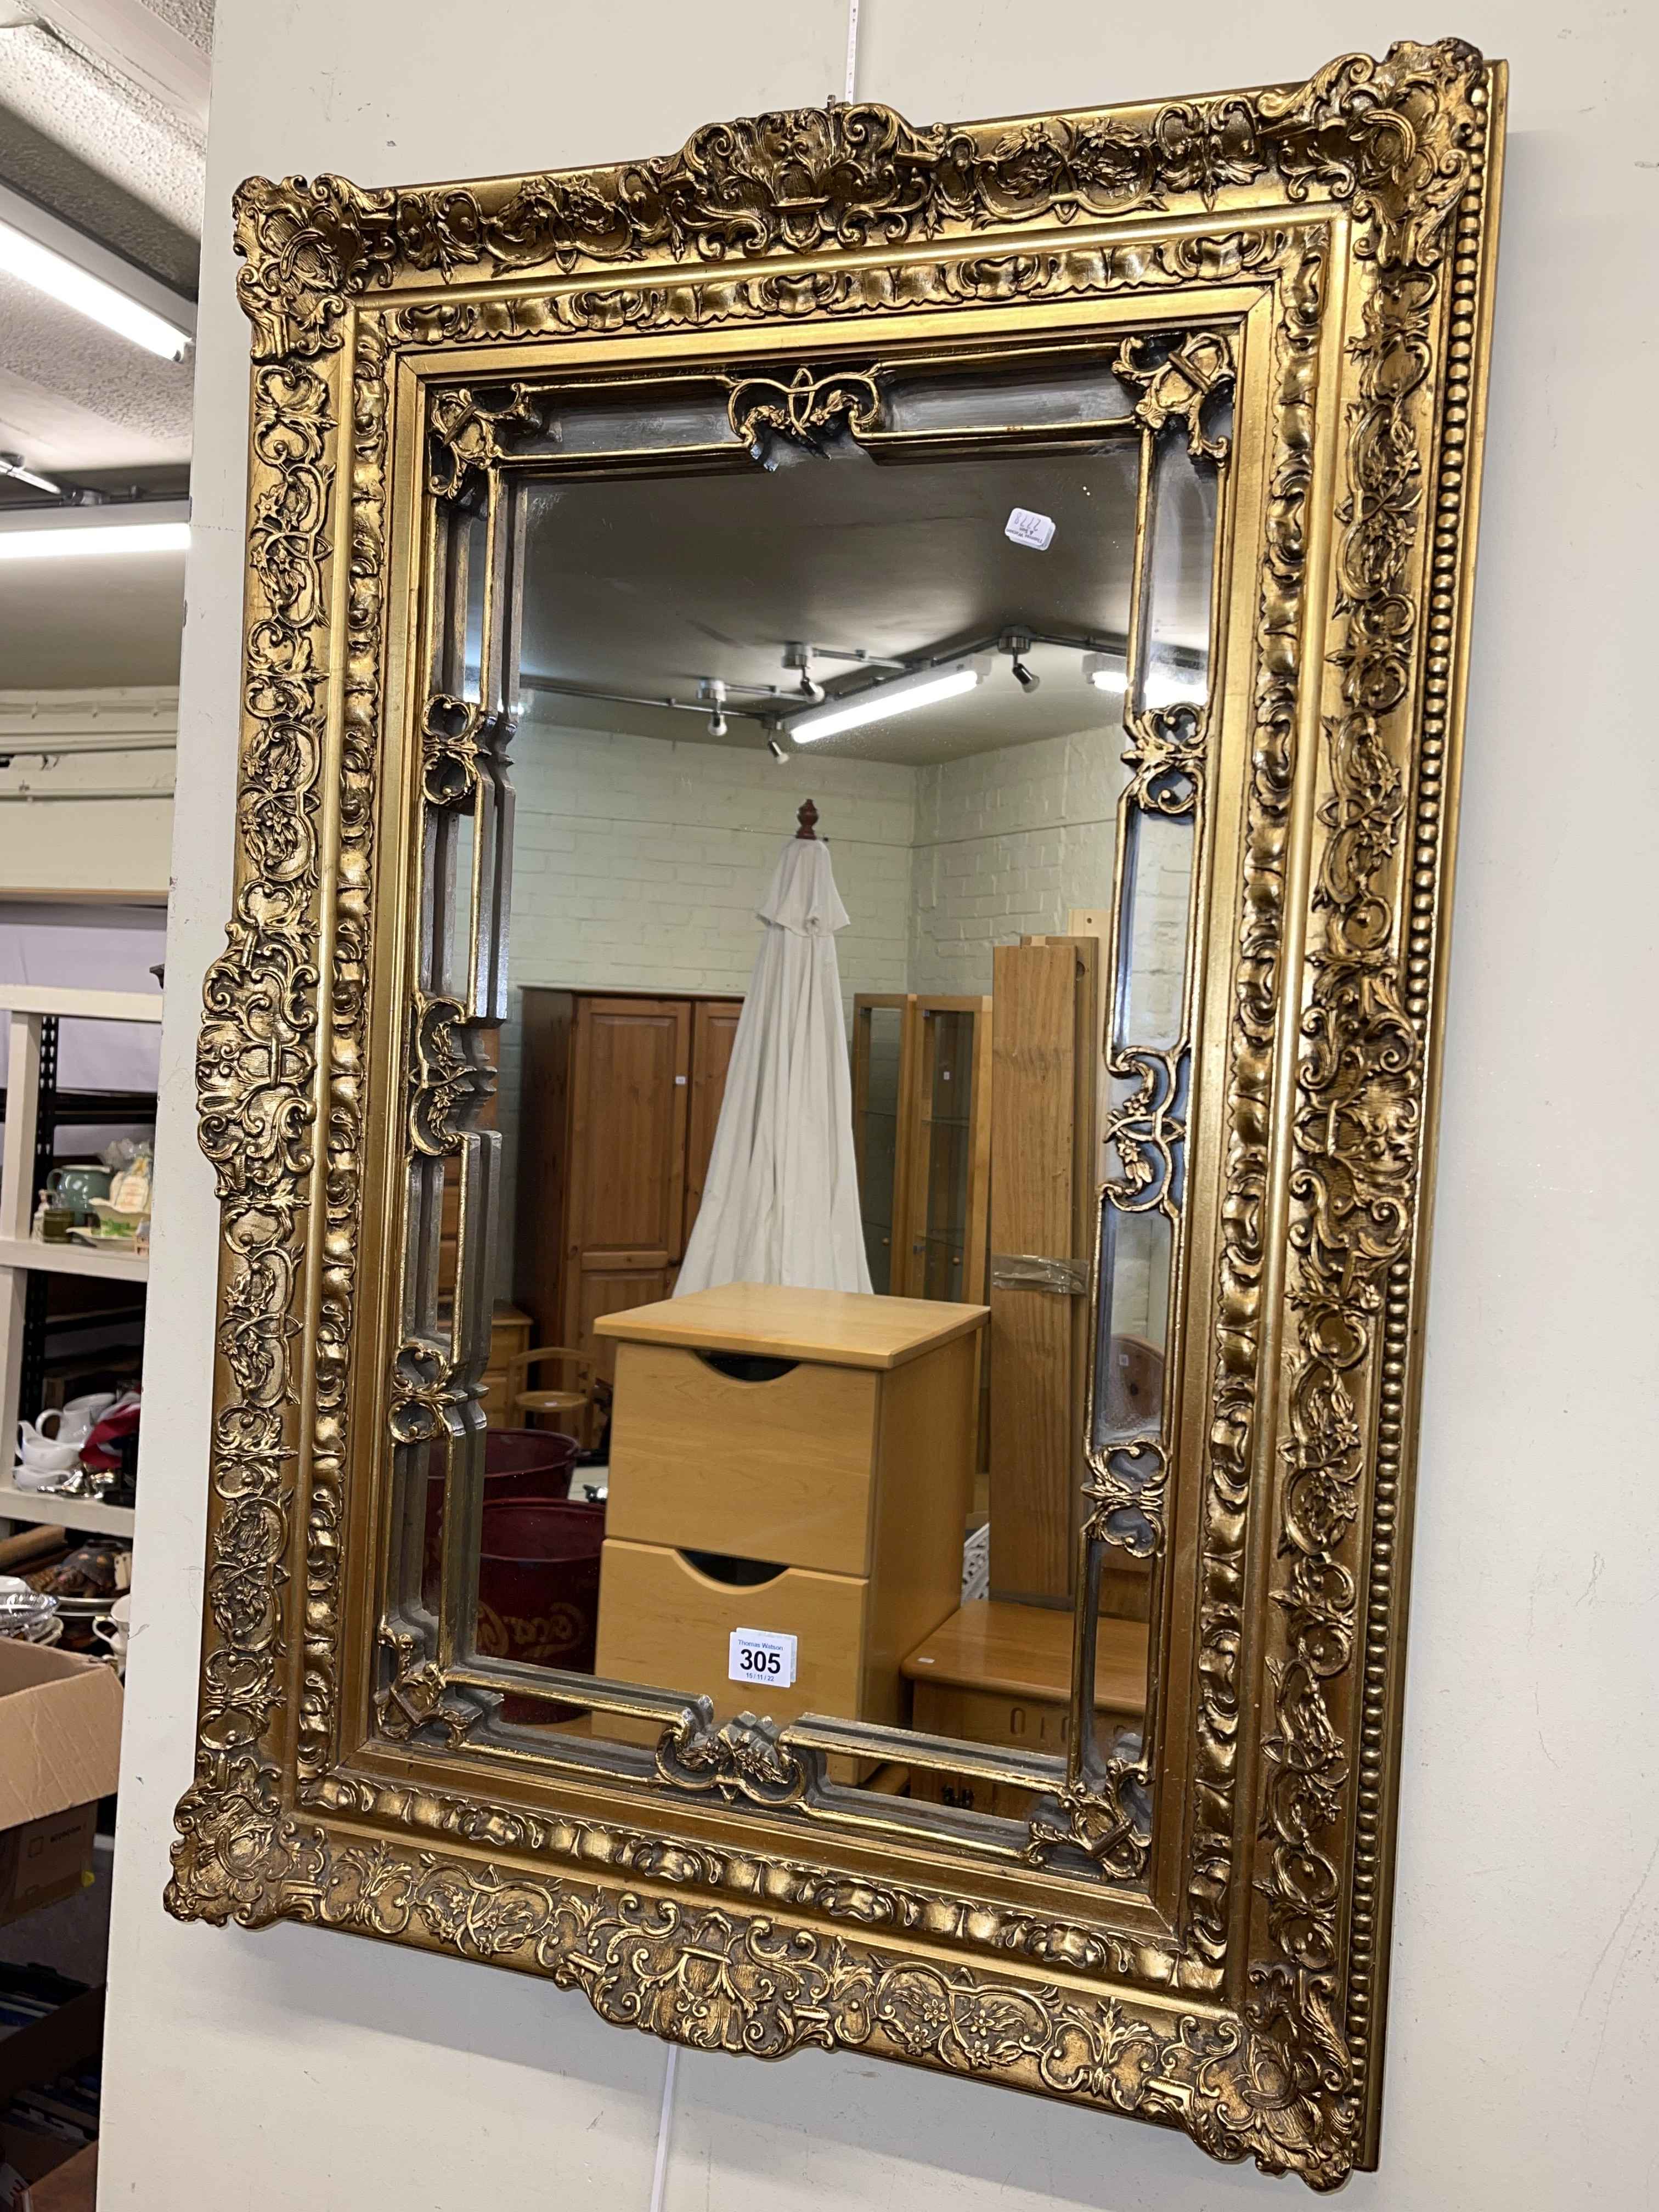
(840, 966)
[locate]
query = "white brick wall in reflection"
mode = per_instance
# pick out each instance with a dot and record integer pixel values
(638, 865)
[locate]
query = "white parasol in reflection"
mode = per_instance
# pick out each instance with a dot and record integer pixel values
(781, 1199)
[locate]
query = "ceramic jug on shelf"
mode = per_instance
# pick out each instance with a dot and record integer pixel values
(48, 1454)
(75, 1187)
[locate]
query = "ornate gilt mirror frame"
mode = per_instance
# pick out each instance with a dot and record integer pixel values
(1200, 1936)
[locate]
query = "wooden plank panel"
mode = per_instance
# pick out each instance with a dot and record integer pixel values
(1033, 1211)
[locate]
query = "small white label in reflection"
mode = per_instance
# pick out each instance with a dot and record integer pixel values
(1026, 528)
(761, 1654)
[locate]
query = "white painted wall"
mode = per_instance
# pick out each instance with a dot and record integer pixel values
(294, 2070)
(639, 863)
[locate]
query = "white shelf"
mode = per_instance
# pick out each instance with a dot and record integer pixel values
(41, 1507)
(21, 1256)
(74, 1260)
(80, 1006)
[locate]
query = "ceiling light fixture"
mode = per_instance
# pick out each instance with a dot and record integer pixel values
(79, 273)
(800, 657)
(1106, 672)
(1016, 643)
(1167, 683)
(879, 701)
(89, 532)
(712, 692)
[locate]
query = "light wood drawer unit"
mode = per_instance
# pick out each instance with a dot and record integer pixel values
(849, 1471)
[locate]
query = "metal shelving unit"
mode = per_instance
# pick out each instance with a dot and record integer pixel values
(34, 1110)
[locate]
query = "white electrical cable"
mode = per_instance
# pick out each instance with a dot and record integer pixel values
(660, 2173)
(851, 48)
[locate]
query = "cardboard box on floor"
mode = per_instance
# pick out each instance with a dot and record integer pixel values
(60, 1751)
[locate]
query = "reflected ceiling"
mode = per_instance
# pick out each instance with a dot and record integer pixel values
(648, 586)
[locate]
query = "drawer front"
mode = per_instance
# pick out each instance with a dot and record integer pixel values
(991, 1716)
(776, 1470)
(667, 1625)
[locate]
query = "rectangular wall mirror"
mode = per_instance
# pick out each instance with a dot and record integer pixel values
(822, 1085)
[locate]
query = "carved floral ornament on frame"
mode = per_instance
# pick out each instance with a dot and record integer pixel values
(1198, 1937)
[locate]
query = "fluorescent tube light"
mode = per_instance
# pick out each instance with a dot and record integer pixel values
(54, 274)
(879, 701)
(92, 532)
(1163, 687)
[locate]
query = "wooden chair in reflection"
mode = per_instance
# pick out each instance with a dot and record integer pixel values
(571, 1405)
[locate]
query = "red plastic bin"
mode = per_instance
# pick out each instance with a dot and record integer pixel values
(519, 1464)
(539, 1593)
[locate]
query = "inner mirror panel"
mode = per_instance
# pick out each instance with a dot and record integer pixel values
(823, 1237)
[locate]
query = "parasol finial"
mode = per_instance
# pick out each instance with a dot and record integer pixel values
(807, 816)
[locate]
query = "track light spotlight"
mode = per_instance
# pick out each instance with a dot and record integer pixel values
(1016, 643)
(808, 689)
(712, 692)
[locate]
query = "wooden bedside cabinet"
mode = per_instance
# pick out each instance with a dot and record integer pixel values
(999, 1673)
(793, 1460)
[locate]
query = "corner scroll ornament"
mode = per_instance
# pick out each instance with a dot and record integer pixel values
(419, 1696)
(1107, 1821)
(466, 437)
(1177, 383)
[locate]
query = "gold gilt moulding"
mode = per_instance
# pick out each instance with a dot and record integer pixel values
(1290, 289)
